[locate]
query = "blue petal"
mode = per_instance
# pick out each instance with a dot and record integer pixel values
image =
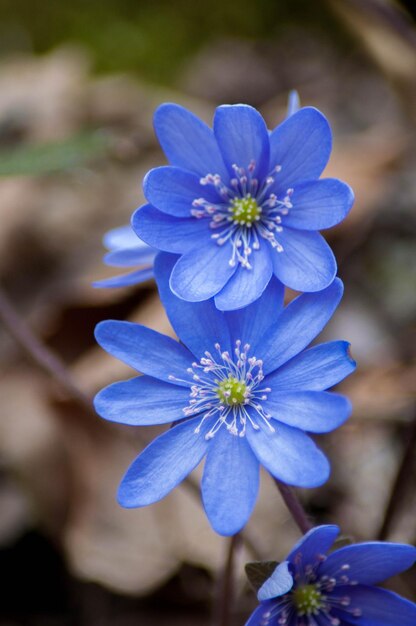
(293, 103)
(128, 257)
(312, 546)
(199, 325)
(379, 607)
(125, 280)
(316, 369)
(299, 323)
(307, 263)
(279, 583)
(313, 411)
(163, 465)
(301, 145)
(325, 620)
(265, 614)
(187, 141)
(122, 237)
(202, 272)
(230, 482)
(144, 349)
(370, 563)
(243, 137)
(247, 285)
(172, 190)
(165, 232)
(251, 323)
(142, 401)
(319, 204)
(289, 455)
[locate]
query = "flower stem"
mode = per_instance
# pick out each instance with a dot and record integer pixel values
(294, 505)
(225, 588)
(404, 477)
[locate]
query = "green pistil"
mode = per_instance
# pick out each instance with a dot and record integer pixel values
(245, 211)
(231, 391)
(307, 599)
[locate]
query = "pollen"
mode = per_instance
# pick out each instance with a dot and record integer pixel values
(232, 392)
(308, 600)
(244, 211)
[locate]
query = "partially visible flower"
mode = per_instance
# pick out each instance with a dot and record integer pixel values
(312, 589)
(243, 389)
(293, 103)
(127, 250)
(240, 204)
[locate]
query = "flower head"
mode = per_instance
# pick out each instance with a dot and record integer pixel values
(240, 204)
(311, 588)
(241, 388)
(127, 250)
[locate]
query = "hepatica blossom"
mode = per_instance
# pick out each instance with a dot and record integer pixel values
(126, 249)
(240, 204)
(241, 389)
(312, 589)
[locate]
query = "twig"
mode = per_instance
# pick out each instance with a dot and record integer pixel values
(294, 505)
(47, 360)
(404, 477)
(393, 18)
(225, 588)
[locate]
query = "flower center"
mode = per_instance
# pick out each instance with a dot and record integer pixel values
(232, 392)
(308, 600)
(245, 211)
(227, 391)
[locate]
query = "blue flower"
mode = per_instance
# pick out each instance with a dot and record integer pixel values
(311, 589)
(241, 390)
(240, 204)
(127, 250)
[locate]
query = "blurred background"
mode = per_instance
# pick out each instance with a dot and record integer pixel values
(79, 82)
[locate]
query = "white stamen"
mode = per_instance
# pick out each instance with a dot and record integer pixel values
(227, 389)
(243, 234)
